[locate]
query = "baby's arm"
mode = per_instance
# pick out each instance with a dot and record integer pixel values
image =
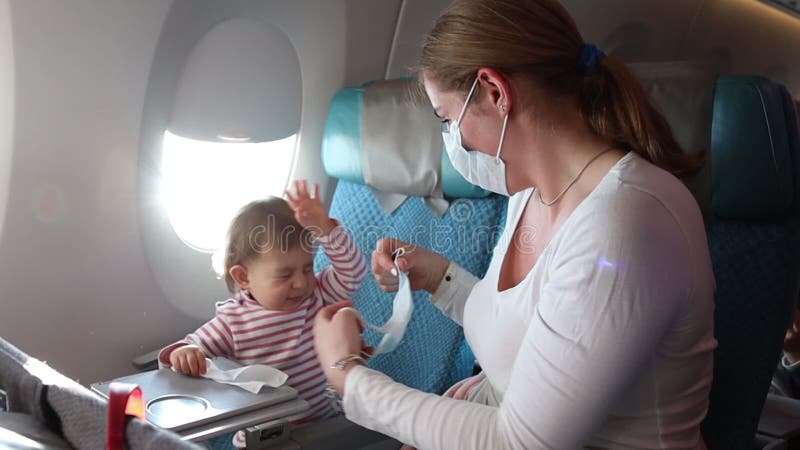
(188, 355)
(348, 269)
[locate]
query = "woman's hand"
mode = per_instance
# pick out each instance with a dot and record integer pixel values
(309, 210)
(425, 268)
(337, 334)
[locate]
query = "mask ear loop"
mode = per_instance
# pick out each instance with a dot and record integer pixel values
(502, 138)
(469, 96)
(396, 255)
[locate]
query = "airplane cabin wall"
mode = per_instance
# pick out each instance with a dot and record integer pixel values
(737, 36)
(6, 105)
(74, 285)
(77, 286)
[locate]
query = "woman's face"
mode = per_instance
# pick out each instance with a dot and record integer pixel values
(479, 131)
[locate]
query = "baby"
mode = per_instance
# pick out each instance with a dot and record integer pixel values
(276, 294)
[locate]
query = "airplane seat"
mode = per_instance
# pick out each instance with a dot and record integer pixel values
(755, 250)
(48, 410)
(780, 417)
(747, 192)
(383, 143)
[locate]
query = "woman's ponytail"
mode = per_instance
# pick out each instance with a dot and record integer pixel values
(616, 107)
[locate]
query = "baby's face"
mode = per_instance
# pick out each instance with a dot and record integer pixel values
(282, 280)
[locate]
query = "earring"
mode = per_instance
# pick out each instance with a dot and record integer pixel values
(503, 108)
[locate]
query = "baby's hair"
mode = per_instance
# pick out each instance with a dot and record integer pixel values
(263, 226)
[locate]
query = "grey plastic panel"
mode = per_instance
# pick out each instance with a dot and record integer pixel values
(340, 433)
(241, 421)
(780, 417)
(769, 443)
(177, 402)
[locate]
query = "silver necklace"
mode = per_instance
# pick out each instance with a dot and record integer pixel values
(574, 180)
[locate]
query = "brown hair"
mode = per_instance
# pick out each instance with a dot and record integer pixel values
(539, 39)
(259, 227)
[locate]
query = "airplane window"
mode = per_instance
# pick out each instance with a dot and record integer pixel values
(204, 183)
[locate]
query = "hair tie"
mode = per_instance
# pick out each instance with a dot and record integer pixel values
(589, 61)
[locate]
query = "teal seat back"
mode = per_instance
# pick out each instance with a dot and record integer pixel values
(755, 250)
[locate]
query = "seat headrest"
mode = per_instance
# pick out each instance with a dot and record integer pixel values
(790, 109)
(390, 123)
(753, 149)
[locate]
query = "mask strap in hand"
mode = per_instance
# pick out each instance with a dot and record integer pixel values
(403, 306)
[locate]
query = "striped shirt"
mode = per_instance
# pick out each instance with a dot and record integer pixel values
(245, 331)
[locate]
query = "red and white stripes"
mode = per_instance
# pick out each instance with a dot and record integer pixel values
(246, 332)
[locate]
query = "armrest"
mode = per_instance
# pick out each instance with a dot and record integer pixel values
(780, 417)
(145, 362)
(340, 433)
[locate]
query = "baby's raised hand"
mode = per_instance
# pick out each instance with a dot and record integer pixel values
(308, 209)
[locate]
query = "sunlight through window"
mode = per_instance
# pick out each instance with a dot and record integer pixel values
(205, 183)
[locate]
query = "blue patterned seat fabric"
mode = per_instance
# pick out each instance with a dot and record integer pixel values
(756, 284)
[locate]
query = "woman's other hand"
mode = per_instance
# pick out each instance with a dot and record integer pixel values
(425, 268)
(337, 335)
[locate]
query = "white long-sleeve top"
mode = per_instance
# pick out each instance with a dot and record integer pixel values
(607, 342)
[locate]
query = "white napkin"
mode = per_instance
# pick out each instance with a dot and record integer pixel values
(249, 378)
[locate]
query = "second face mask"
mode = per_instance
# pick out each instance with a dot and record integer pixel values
(395, 328)
(402, 308)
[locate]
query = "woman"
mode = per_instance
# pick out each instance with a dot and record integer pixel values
(593, 324)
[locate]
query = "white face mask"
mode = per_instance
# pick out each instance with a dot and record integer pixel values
(394, 329)
(476, 167)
